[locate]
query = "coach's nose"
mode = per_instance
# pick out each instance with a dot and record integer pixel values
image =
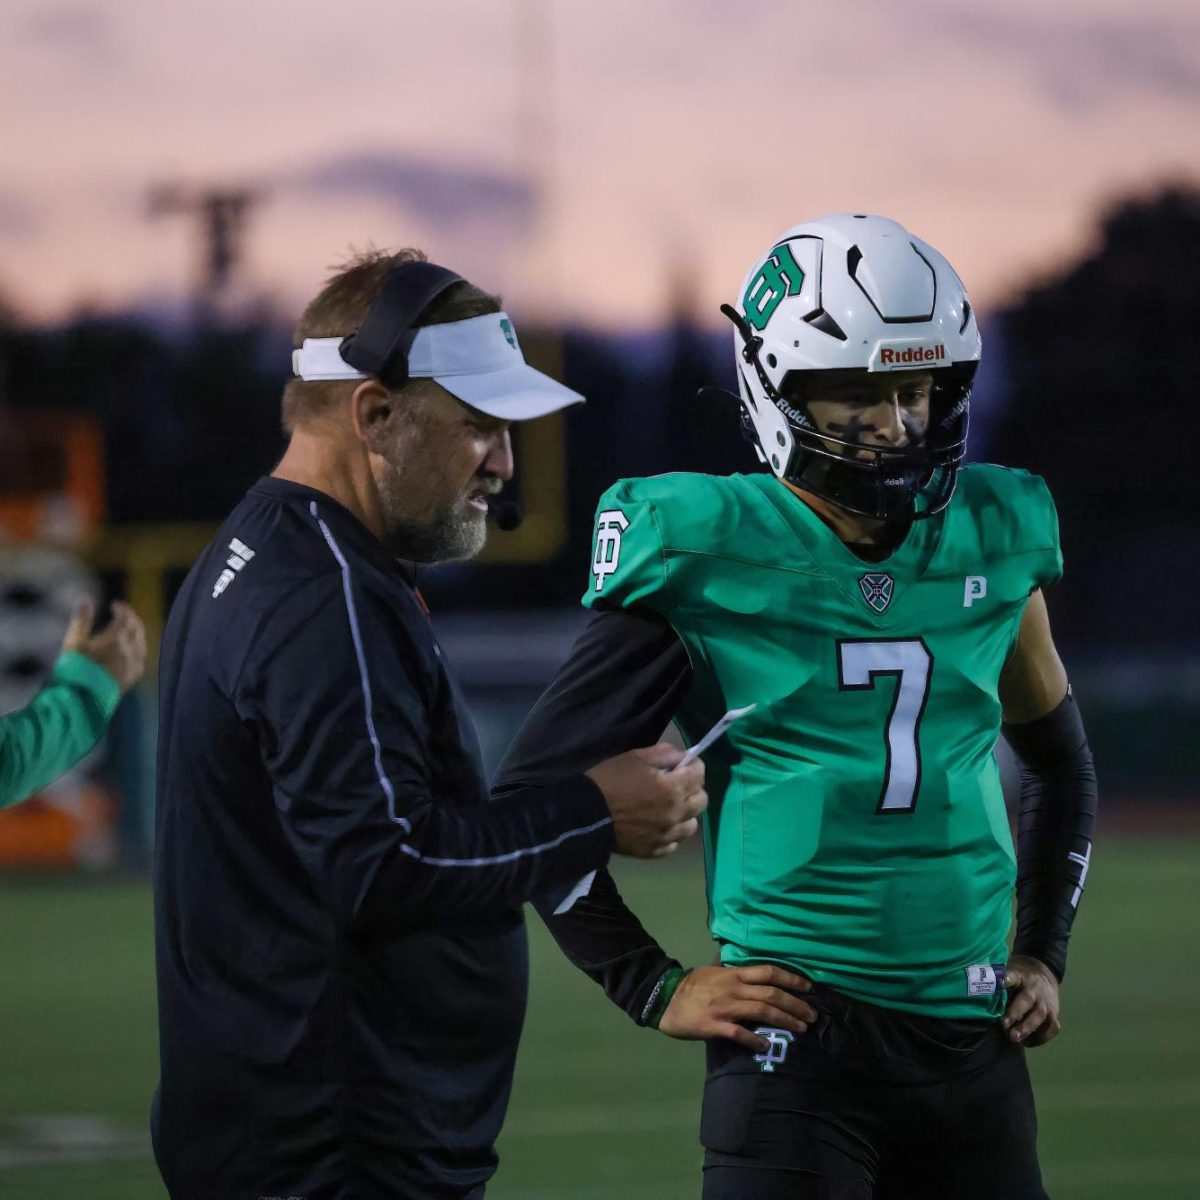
(499, 458)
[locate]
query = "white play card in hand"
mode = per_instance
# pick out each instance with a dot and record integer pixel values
(734, 714)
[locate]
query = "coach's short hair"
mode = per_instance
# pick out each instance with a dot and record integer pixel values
(340, 307)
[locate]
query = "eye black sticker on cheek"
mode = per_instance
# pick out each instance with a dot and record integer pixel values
(853, 429)
(914, 427)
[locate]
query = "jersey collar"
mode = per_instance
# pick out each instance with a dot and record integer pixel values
(906, 563)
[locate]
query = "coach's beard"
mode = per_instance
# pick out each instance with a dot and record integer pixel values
(456, 533)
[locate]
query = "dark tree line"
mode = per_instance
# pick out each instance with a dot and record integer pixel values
(188, 421)
(1100, 363)
(1102, 369)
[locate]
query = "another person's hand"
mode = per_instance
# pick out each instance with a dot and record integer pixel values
(718, 1002)
(1032, 1014)
(654, 806)
(120, 647)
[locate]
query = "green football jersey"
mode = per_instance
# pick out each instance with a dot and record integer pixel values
(856, 829)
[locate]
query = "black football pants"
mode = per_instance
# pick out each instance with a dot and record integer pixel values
(872, 1104)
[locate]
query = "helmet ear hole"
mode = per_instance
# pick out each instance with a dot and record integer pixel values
(772, 361)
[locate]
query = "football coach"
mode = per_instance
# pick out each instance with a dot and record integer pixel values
(340, 944)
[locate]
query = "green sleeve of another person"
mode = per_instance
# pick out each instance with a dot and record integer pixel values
(56, 728)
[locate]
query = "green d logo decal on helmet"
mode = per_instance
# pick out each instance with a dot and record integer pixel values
(510, 334)
(780, 276)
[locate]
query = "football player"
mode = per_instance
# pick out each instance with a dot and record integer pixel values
(881, 605)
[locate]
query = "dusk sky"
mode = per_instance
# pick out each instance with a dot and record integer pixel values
(575, 156)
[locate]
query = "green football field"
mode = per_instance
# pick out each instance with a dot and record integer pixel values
(601, 1108)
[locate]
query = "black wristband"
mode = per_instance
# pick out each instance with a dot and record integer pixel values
(1054, 830)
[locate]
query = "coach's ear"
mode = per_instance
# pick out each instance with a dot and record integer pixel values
(372, 412)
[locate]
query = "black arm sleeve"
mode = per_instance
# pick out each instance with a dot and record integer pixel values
(1054, 830)
(343, 710)
(617, 691)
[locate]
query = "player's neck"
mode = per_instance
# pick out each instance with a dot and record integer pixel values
(859, 533)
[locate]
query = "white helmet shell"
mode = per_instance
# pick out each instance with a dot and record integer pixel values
(846, 291)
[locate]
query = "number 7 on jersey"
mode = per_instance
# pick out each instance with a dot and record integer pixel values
(860, 663)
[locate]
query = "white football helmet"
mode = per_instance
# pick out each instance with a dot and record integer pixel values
(855, 291)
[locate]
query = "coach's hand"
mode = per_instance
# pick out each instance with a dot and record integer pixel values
(1032, 1014)
(120, 647)
(718, 1002)
(654, 806)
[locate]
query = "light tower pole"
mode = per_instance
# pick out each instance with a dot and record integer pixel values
(220, 216)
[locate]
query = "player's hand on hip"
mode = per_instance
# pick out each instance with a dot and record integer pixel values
(718, 1002)
(1032, 1014)
(653, 801)
(120, 647)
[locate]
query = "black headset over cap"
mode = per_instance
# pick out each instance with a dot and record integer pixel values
(380, 345)
(478, 360)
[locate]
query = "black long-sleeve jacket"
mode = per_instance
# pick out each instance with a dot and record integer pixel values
(341, 955)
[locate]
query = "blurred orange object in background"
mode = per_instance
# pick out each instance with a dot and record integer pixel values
(64, 826)
(52, 464)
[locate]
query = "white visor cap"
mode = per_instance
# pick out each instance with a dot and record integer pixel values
(478, 361)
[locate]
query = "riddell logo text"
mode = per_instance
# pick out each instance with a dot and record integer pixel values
(914, 354)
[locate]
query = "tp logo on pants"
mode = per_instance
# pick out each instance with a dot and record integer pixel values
(780, 1040)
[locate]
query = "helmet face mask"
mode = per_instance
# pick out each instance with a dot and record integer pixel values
(859, 296)
(894, 483)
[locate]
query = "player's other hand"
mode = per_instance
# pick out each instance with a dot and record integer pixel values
(1032, 1014)
(718, 1002)
(654, 806)
(120, 647)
